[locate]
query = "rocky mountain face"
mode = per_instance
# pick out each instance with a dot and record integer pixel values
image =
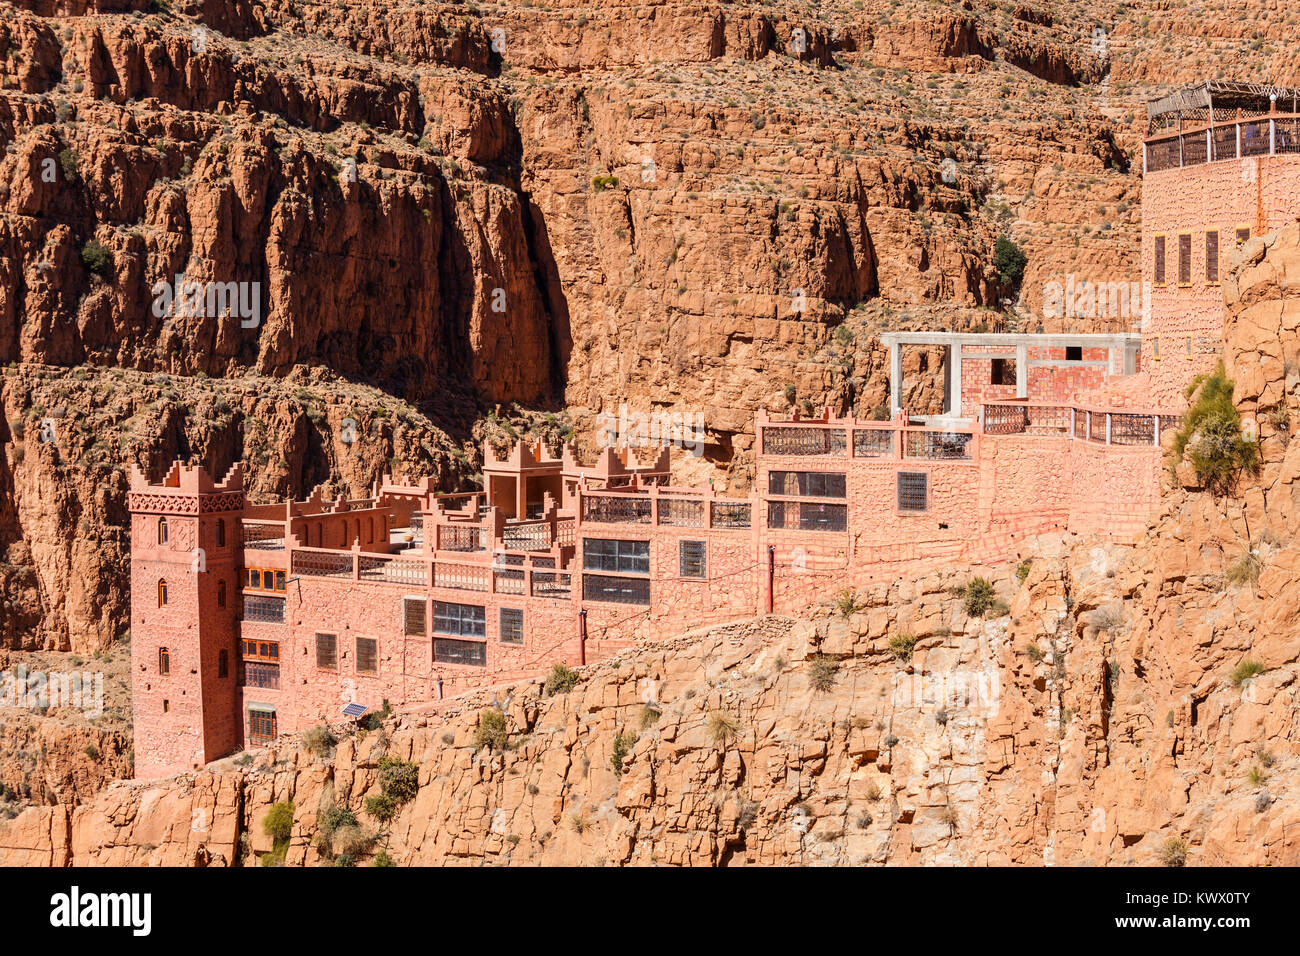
(702, 207)
(1116, 705)
(1101, 719)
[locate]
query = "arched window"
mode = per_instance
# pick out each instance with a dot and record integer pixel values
(221, 594)
(164, 661)
(162, 530)
(221, 532)
(162, 593)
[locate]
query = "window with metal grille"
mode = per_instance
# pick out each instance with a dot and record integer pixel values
(367, 655)
(599, 587)
(1243, 235)
(1212, 256)
(1160, 260)
(266, 610)
(261, 726)
(512, 626)
(608, 554)
(413, 616)
(913, 491)
(1185, 259)
(327, 651)
(449, 651)
(691, 556)
(466, 620)
(266, 676)
(806, 484)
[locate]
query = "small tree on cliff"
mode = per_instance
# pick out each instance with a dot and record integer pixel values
(1009, 259)
(1211, 436)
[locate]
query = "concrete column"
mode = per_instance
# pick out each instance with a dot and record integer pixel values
(895, 379)
(1022, 371)
(954, 380)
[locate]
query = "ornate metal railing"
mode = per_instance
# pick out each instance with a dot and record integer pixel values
(873, 443)
(552, 584)
(731, 514)
(264, 537)
(616, 509)
(939, 445)
(456, 538)
(1132, 429)
(394, 571)
(533, 536)
(801, 440)
(464, 577)
(321, 564)
(1005, 419)
(509, 581)
(682, 513)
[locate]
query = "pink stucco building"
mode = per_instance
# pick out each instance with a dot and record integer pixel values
(251, 620)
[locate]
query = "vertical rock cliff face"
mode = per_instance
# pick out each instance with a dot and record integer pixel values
(674, 205)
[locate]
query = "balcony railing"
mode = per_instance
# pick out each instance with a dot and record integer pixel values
(1101, 426)
(1274, 135)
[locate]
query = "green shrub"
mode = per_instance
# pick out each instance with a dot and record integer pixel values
(601, 183)
(846, 602)
(623, 744)
(336, 818)
(278, 822)
(1033, 653)
(382, 859)
(649, 716)
(1244, 671)
(381, 806)
(979, 597)
(398, 779)
(1022, 569)
(491, 731)
(1211, 436)
(902, 646)
(1009, 259)
(71, 165)
(560, 680)
(97, 258)
(822, 671)
(999, 608)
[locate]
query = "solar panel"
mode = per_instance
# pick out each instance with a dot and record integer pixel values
(354, 710)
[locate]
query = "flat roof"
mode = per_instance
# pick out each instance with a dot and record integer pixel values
(1049, 339)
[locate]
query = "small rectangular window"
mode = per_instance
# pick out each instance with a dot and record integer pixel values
(367, 655)
(512, 626)
(1074, 353)
(462, 620)
(1243, 235)
(223, 664)
(413, 616)
(164, 661)
(327, 651)
(600, 587)
(624, 557)
(913, 491)
(1212, 256)
(806, 484)
(1002, 371)
(1185, 259)
(1159, 263)
(1155, 348)
(692, 556)
(449, 651)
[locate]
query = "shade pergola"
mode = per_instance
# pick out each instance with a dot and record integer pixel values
(1220, 100)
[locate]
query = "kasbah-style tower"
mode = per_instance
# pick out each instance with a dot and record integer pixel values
(184, 623)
